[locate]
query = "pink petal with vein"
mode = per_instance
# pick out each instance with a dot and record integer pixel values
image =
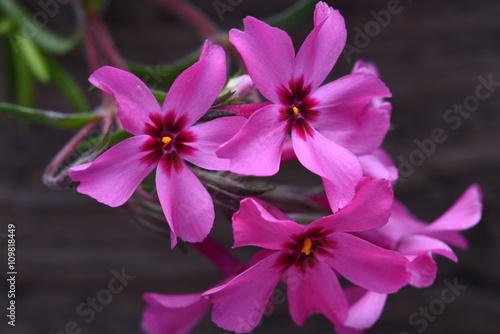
(173, 314)
(268, 54)
(240, 303)
(209, 137)
(369, 266)
(134, 100)
(322, 47)
(255, 226)
(113, 177)
(330, 161)
(195, 89)
(315, 291)
(256, 148)
(186, 203)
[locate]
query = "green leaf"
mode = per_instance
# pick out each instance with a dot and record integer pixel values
(67, 85)
(6, 25)
(24, 88)
(43, 37)
(32, 55)
(293, 18)
(49, 117)
(159, 95)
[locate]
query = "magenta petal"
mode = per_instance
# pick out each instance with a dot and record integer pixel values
(315, 291)
(209, 137)
(113, 177)
(365, 307)
(369, 266)
(173, 314)
(370, 208)
(134, 99)
(330, 161)
(186, 203)
(379, 165)
(356, 87)
(255, 226)
(268, 54)
(341, 101)
(423, 271)
(256, 148)
(464, 214)
(419, 244)
(372, 127)
(240, 303)
(195, 89)
(322, 47)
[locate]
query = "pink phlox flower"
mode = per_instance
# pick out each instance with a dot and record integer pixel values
(308, 259)
(419, 240)
(164, 138)
(299, 106)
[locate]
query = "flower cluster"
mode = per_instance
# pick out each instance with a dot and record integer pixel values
(334, 130)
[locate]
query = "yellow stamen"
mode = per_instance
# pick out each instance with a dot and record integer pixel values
(306, 249)
(166, 140)
(295, 110)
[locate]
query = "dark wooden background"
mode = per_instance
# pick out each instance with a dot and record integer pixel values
(430, 56)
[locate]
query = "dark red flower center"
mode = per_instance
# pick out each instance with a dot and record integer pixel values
(298, 106)
(304, 249)
(169, 139)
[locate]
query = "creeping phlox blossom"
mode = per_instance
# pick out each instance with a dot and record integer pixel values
(418, 241)
(308, 259)
(318, 118)
(163, 138)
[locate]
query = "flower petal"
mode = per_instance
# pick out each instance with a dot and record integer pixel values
(113, 177)
(256, 148)
(365, 307)
(268, 54)
(255, 226)
(341, 101)
(173, 314)
(134, 100)
(186, 203)
(370, 208)
(195, 89)
(315, 291)
(322, 47)
(240, 303)
(419, 244)
(369, 266)
(379, 165)
(464, 214)
(330, 161)
(209, 137)
(423, 271)
(369, 133)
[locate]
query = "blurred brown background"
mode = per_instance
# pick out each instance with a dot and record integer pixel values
(430, 55)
